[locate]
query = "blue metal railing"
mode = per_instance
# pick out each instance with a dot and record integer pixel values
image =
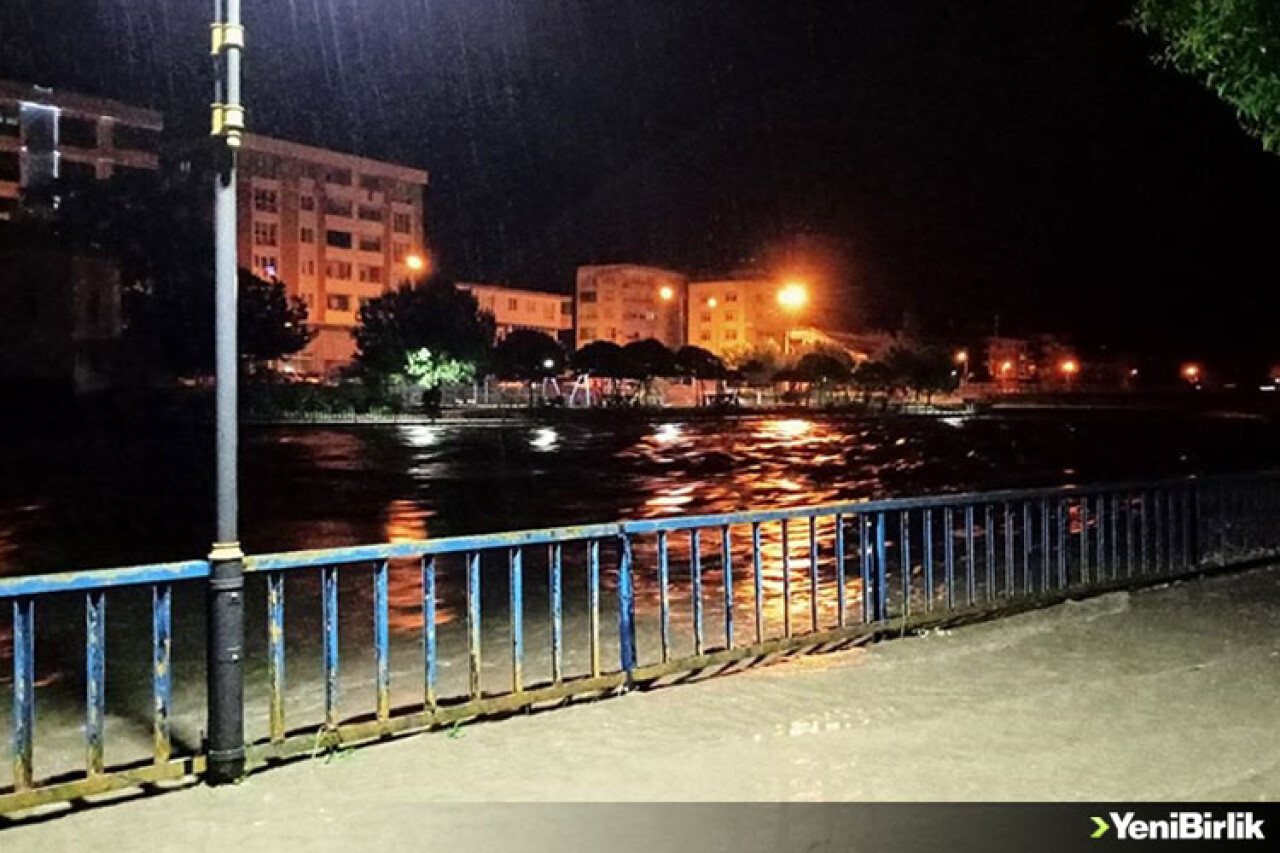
(679, 595)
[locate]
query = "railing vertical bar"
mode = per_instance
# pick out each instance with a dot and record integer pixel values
(1100, 540)
(814, 585)
(381, 641)
(664, 595)
(1028, 585)
(786, 579)
(555, 597)
(840, 569)
(757, 572)
(161, 671)
(95, 603)
(1114, 538)
(1046, 546)
(1159, 525)
(989, 549)
(1188, 524)
(1174, 558)
(1144, 565)
(970, 558)
(515, 583)
(626, 608)
(904, 534)
(949, 555)
(593, 594)
(329, 608)
(726, 565)
(474, 685)
(24, 685)
(275, 655)
(1129, 550)
(1063, 525)
(430, 653)
(882, 570)
(695, 568)
(864, 569)
(926, 525)
(1010, 545)
(1082, 508)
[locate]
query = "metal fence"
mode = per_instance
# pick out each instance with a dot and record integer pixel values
(501, 622)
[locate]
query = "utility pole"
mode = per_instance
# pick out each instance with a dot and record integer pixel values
(226, 579)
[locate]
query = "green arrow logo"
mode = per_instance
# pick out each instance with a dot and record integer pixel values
(1102, 828)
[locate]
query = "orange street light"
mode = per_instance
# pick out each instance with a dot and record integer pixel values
(1191, 372)
(962, 356)
(416, 263)
(793, 296)
(1069, 367)
(1006, 367)
(667, 293)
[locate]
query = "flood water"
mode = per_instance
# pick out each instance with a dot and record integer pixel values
(117, 498)
(86, 500)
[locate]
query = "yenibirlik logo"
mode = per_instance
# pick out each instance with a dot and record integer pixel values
(1181, 826)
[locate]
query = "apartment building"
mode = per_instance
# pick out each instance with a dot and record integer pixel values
(513, 308)
(47, 134)
(731, 315)
(624, 303)
(337, 229)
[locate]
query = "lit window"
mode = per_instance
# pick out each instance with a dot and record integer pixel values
(339, 303)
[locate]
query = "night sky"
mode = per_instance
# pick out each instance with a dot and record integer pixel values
(952, 158)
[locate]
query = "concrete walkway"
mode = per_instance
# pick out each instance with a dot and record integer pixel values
(1169, 693)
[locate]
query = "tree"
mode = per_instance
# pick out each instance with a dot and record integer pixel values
(528, 354)
(924, 371)
(699, 363)
(440, 326)
(646, 359)
(1233, 46)
(603, 358)
(271, 323)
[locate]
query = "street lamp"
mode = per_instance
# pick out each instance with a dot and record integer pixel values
(1192, 372)
(793, 297)
(1069, 367)
(666, 293)
(415, 263)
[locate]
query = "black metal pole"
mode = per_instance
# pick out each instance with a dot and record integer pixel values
(226, 582)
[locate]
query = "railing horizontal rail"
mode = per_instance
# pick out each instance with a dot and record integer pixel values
(99, 579)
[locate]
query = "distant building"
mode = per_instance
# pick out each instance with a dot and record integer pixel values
(337, 229)
(47, 134)
(60, 316)
(512, 308)
(733, 315)
(624, 303)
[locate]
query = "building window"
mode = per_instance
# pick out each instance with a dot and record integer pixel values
(398, 251)
(706, 317)
(338, 302)
(129, 138)
(340, 270)
(337, 207)
(265, 200)
(370, 244)
(10, 170)
(265, 264)
(587, 296)
(370, 275)
(706, 337)
(338, 239)
(370, 183)
(78, 132)
(402, 223)
(729, 316)
(307, 202)
(266, 234)
(371, 214)
(307, 235)
(731, 296)
(513, 304)
(339, 177)
(566, 308)
(588, 332)
(308, 267)
(731, 334)
(10, 122)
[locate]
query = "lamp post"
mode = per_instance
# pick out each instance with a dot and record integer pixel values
(793, 297)
(226, 560)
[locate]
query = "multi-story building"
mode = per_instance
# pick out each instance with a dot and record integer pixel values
(624, 303)
(337, 229)
(733, 315)
(47, 134)
(512, 308)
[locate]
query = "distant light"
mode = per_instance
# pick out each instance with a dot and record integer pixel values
(712, 302)
(544, 439)
(1069, 367)
(667, 293)
(549, 364)
(962, 356)
(668, 433)
(793, 296)
(1006, 367)
(1133, 372)
(417, 263)
(1191, 372)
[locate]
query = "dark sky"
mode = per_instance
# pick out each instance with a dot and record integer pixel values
(954, 158)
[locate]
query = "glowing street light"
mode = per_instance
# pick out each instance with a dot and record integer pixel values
(415, 263)
(962, 356)
(549, 364)
(1191, 372)
(1006, 368)
(1069, 367)
(667, 293)
(793, 296)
